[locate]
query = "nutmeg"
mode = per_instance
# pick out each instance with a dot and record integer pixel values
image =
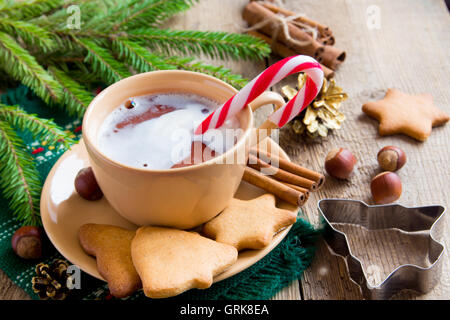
(386, 187)
(27, 242)
(86, 185)
(339, 163)
(391, 158)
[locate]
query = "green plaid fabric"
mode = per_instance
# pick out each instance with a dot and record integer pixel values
(263, 280)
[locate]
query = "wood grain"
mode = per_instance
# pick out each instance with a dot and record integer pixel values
(9, 291)
(411, 52)
(406, 54)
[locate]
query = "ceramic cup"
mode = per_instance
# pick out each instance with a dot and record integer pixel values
(182, 197)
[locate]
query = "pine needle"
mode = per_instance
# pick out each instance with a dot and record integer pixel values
(75, 97)
(215, 44)
(139, 57)
(44, 129)
(219, 72)
(19, 178)
(103, 62)
(21, 65)
(27, 9)
(29, 33)
(151, 13)
(142, 61)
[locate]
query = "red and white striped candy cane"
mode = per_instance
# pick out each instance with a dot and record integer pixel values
(265, 80)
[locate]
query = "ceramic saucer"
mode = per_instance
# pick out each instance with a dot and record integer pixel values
(63, 211)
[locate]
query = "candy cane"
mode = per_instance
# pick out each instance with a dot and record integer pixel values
(265, 80)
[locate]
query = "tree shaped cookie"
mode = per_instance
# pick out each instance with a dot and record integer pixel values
(413, 115)
(249, 224)
(171, 261)
(111, 246)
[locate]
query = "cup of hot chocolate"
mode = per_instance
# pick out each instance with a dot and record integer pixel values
(151, 167)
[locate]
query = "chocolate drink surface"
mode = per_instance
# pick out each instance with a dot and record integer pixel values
(157, 132)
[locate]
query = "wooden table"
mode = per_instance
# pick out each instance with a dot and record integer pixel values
(410, 51)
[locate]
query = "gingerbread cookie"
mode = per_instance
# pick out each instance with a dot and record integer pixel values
(171, 261)
(112, 247)
(413, 115)
(249, 224)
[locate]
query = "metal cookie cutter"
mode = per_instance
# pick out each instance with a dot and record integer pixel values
(425, 224)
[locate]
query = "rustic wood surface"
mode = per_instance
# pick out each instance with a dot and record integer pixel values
(409, 51)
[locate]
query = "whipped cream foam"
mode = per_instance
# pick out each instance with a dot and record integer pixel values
(158, 131)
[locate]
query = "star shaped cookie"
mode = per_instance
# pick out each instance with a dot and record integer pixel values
(111, 246)
(249, 224)
(413, 115)
(171, 261)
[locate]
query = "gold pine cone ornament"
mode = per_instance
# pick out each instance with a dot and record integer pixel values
(323, 114)
(51, 280)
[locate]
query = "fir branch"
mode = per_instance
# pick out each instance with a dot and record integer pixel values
(19, 177)
(105, 19)
(103, 62)
(139, 57)
(82, 74)
(76, 98)
(40, 128)
(22, 66)
(91, 10)
(214, 44)
(29, 33)
(5, 4)
(142, 61)
(220, 72)
(149, 12)
(29, 9)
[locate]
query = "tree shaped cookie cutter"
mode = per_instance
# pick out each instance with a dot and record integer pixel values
(425, 224)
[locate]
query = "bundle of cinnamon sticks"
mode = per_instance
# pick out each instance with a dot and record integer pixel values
(295, 39)
(288, 181)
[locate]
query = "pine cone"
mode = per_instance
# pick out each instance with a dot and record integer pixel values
(51, 281)
(322, 114)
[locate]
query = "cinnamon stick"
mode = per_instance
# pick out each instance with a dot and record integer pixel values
(291, 167)
(284, 51)
(299, 189)
(324, 31)
(330, 56)
(280, 190)
(327, 40)
(255, 13)
(280, 174)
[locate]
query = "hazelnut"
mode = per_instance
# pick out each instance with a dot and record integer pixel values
(339, 163)
(391, 158)
(386, 187)
(27, 242)
(86, 185)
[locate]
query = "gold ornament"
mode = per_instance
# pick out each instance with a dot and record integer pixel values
(50, 282)
(323, 113)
